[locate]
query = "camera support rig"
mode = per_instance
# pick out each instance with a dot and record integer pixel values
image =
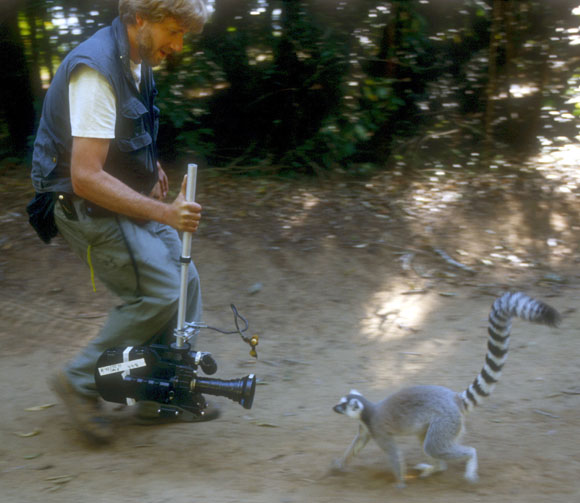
(166, 377)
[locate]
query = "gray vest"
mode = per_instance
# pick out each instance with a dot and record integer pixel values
(132, 155)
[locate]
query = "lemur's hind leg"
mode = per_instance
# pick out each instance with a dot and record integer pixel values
(433, 466)
(441, 444)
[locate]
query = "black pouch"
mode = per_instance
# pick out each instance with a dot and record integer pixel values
(40, 211)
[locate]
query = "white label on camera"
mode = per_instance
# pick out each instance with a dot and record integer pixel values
(126, 353)
(122, 367)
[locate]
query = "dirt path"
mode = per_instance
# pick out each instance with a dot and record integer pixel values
(342, 283)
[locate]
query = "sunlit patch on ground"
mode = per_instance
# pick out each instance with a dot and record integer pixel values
(393, 315)
(560, 163)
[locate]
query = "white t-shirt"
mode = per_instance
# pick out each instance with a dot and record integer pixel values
(92, 102)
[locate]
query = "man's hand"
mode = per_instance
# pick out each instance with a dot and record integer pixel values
(185, 216)
(161, 188)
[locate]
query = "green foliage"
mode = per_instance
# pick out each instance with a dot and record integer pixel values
(344, 134)
(303, 86)
(197, 140)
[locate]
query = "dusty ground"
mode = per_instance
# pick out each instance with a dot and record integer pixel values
(341, 282)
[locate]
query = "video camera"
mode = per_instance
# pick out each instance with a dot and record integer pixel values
(168, 376)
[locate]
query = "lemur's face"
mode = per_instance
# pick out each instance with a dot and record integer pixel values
(350, 405)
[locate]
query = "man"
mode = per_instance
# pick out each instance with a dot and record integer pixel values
(95, 151)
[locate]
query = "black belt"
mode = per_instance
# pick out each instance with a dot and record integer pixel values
(90, 209)
(96, 211)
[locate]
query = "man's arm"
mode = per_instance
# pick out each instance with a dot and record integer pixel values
(90, 181)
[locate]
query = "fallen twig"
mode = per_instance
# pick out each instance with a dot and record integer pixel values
(453, 262)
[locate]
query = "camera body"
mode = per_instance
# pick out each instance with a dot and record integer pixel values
(168, 376)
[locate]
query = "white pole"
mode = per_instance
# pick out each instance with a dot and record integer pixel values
(185, 258)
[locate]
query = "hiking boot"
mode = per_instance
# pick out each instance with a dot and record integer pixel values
(82, 410)
(152, 413)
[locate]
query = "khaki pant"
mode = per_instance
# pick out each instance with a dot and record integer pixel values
(139, 264)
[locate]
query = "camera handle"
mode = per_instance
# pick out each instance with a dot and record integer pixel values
(185, 259)
(184, 331)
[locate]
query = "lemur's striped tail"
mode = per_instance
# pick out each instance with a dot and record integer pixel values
(499, 327)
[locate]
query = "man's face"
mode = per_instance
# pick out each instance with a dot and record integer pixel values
(158, 40)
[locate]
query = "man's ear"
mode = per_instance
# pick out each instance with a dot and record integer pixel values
(139, 20)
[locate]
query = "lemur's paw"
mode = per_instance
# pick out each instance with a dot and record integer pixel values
(337, 466)
(426, 469)
(472, 478)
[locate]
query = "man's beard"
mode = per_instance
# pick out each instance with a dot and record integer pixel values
(146, 49)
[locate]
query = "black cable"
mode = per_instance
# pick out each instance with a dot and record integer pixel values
(237, 316)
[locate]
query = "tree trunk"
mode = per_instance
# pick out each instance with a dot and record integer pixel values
(494, 34)
(34, 68)
(46, 47)
(16, 104)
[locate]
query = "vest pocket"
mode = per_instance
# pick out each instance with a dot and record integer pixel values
(131, 131)
(44, 157)
(135, 143)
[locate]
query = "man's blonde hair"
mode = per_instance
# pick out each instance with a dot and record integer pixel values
(192, 14)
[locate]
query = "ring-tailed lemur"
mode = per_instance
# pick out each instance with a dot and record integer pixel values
(435, 413)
